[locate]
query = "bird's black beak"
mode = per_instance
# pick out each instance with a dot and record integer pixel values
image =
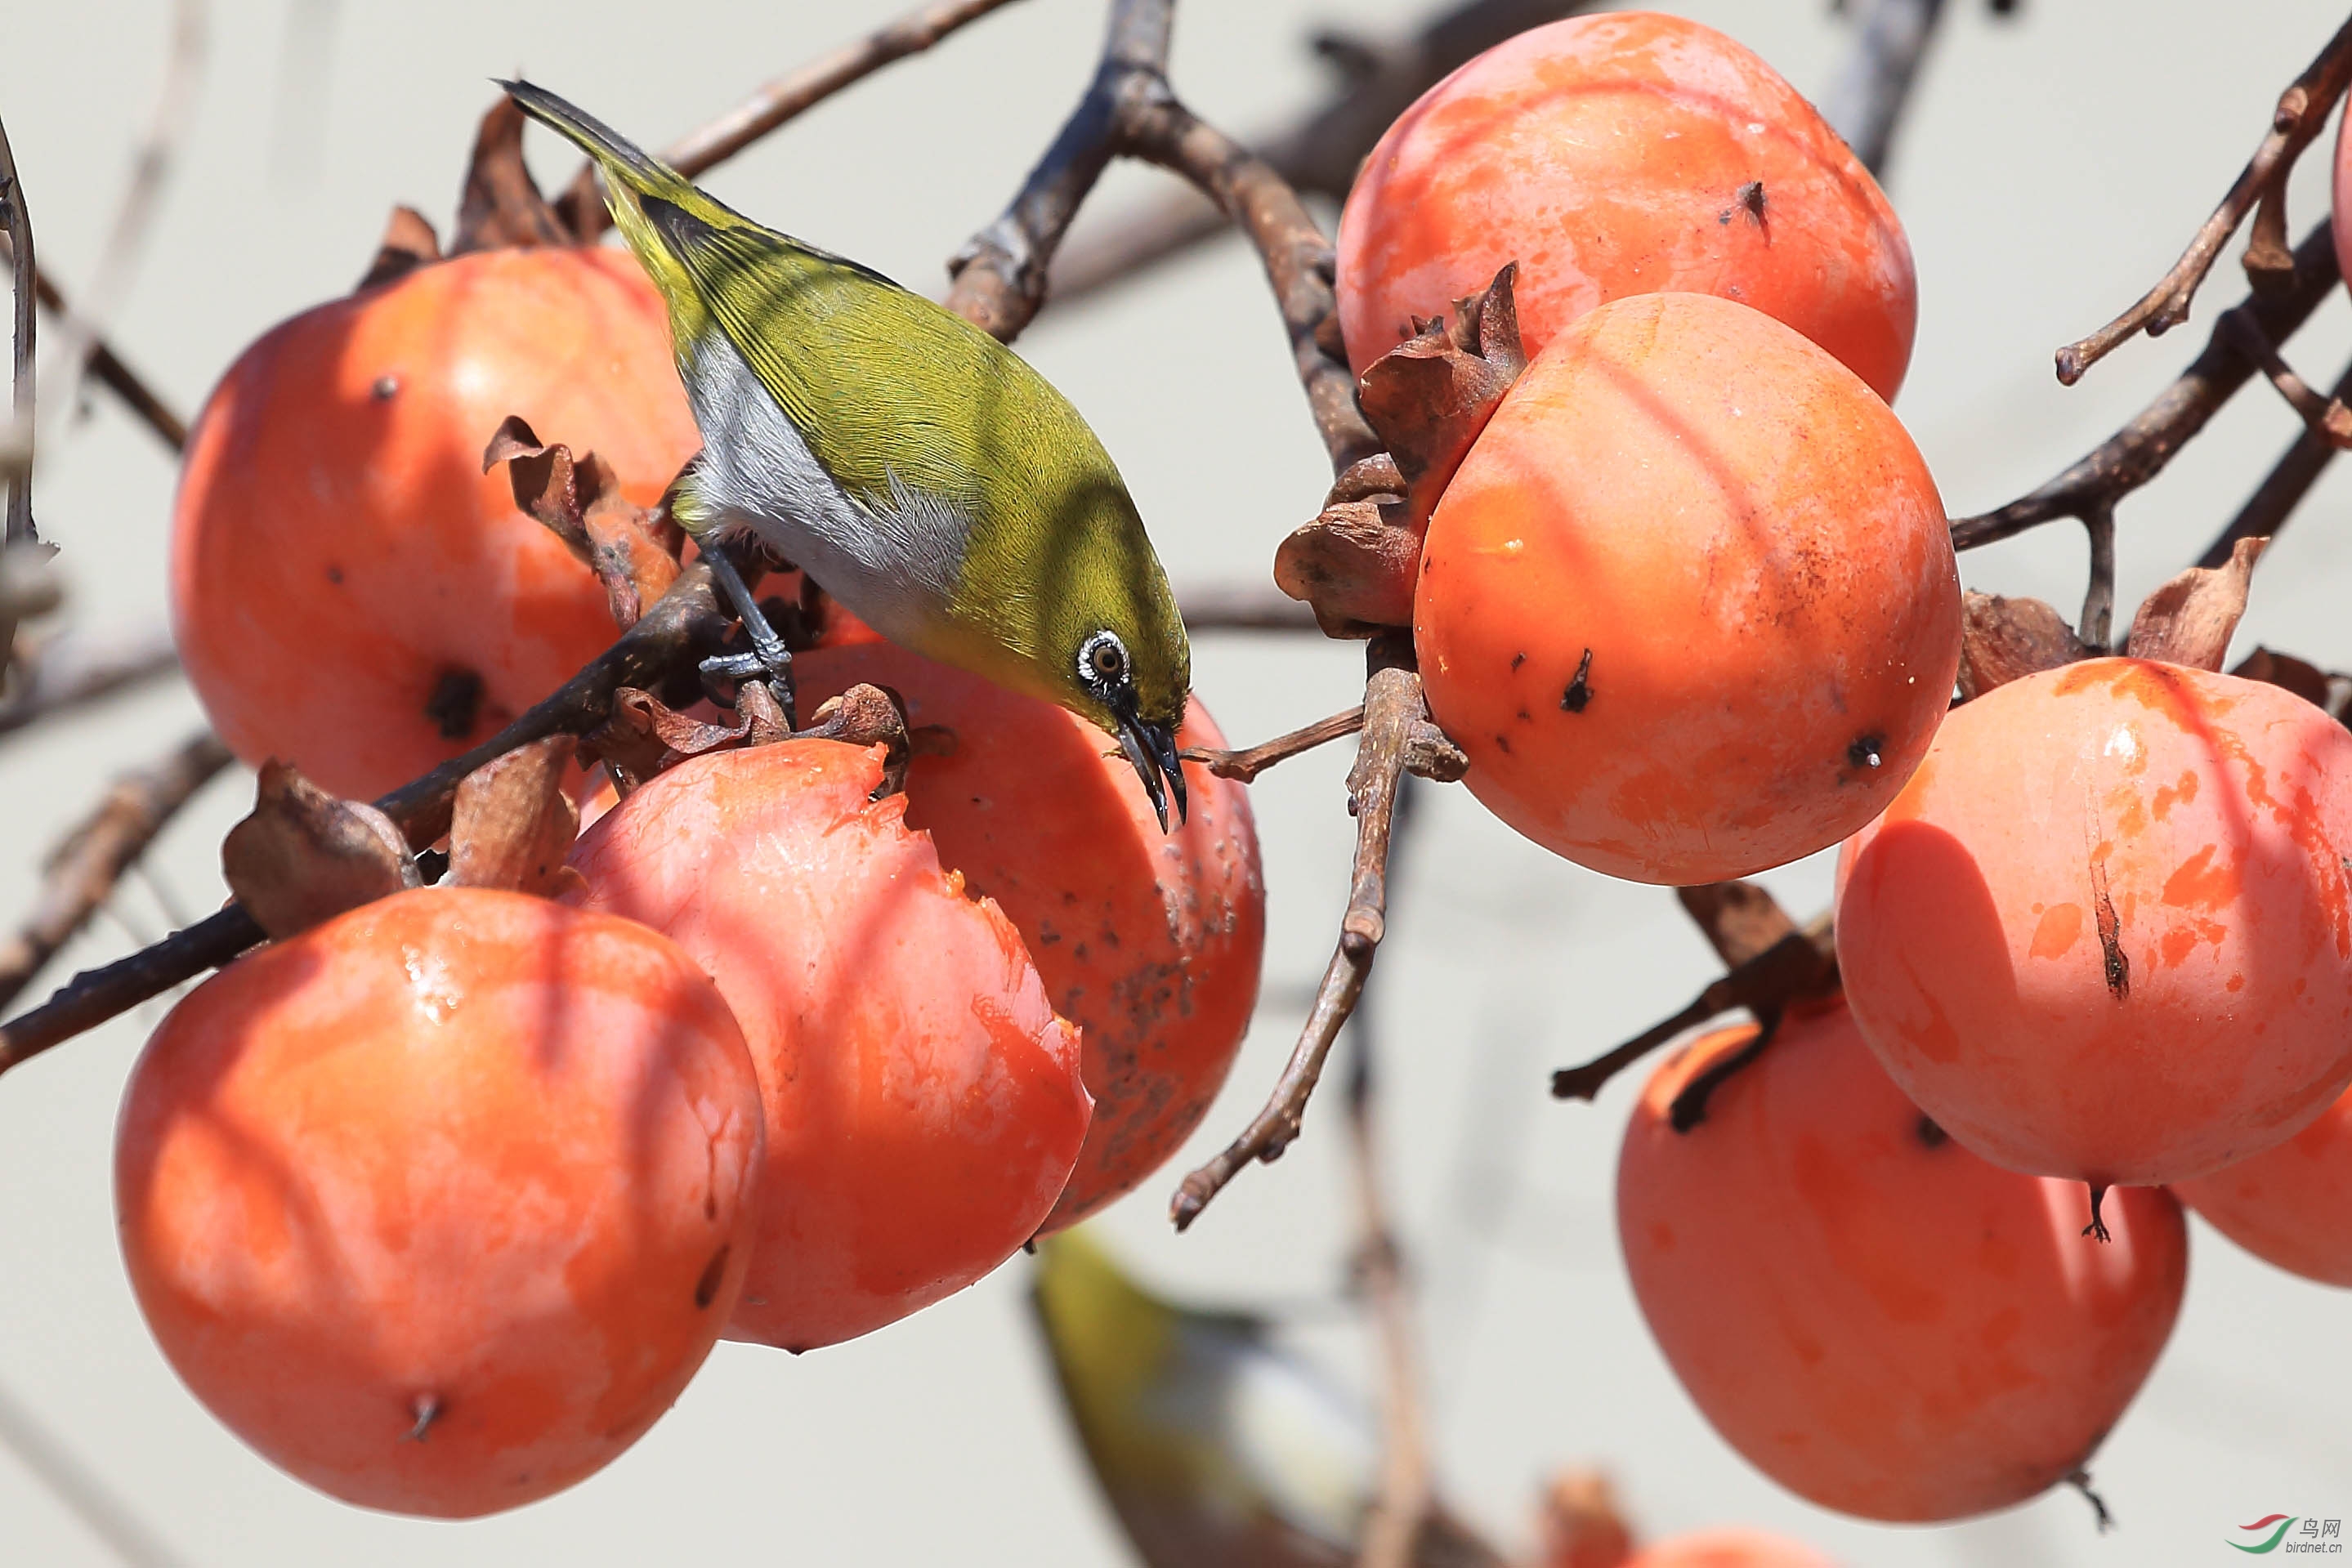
(1151, 749)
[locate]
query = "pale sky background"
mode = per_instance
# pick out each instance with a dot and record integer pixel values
(2051, 167)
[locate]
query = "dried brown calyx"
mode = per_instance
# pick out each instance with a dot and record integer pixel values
(305, 856)
(511, 822)
(2004, 639)
(634, 552)
(2190, 620)
(1427, 399)
(498, 205)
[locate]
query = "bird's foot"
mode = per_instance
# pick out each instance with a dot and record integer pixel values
(768, 658)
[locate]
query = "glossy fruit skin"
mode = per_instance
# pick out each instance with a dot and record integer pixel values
(2292, 1204)
(342, 570)
(2105, 930)
(924, 1104)
(1690, 581)
(1620, 154)
(458, 1146)
(1150, 942)
(1729, 1548)
(1873, 1316)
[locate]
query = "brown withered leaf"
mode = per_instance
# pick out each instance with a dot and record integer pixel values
(1739, 918)
(2002, 639)
(1353, 567)
(511, 822)
(500, 204)
(2190, 620)
(303, 856)
(409, 243)
(633, 552)
(2305, 679)
(642, 738)
(1429, 396)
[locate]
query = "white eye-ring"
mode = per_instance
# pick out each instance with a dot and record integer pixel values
(1102, 660)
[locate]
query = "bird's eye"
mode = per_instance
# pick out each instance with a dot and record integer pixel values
(1103, 660)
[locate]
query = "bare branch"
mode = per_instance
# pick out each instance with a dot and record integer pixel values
(83, 870)
(58, 674)
(1392, 704)
(2302, 110)
(2139, 451)
(1246, 764)
(1865, 102)
(16, 441)
(2283, 489)
(1243, 609)
(786, 98)
(105, 366)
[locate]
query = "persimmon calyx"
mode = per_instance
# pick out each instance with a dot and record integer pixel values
(2190, 620)
(303, 856)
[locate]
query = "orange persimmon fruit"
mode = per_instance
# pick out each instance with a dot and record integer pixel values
(1620, 154)
(1873, 1316)
(1150, 942)
(438, 1205)
(1689, 603)
(350, 592)
(924, 1105)
(2292, 1204)
(2105, 932)
(1729, 1548)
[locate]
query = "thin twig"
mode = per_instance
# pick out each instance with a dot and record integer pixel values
(2266, 511)
(1865, 102)
(2325, 417)
(2138, 452)
(1392, 703)
(1243, 610)
(2302, 110)
(1318, 155)
(59, 673)
(680, 626)
(80, 1489)
(134, 216)
(105, 366)
(16, 440)
(1247, 764)
(789, 97)
(82, 872)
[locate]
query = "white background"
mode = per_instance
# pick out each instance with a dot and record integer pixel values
(2050, 168)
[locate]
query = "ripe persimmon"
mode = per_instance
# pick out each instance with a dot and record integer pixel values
(350, 592)
(924, 1103)
(1871, 1315)
(2103, 932)
(438, 1205)
(1689, 603)
(1729, 1548)
(1150, 942)
(1627, 154)
(2292, 1204)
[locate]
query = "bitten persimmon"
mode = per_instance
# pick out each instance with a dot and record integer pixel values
(350, 592)
(2103, 932)
(1871, 1315)
(1150, 942)
(924, 1102)
(1729, 1548)
(2292, 1204)
(1627, 154)
(1689, 603)
(438, 1205)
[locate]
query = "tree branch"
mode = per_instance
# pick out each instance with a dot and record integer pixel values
(106, 367)
(1865, 102)
(82, 872)
(2283, 489)
(63, 672)
(16, 440)
(2139, 451)
(2302, 110)
(1246, 764)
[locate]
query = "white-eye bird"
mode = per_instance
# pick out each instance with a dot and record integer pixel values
(914, 466)
(1217, 1447)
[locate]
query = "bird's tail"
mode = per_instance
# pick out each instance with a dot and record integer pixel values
(623, 161)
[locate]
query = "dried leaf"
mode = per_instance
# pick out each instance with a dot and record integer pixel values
(303, 856)
(409, 243)
(633, 552)
(1429, 397)
(643, 737)
(1354, 566)
(868, 716)
(2306, 679)
(500, 204)
(1739, 918)
(512, 821)
(2190, 620)
(764, 720)
(2003, 639)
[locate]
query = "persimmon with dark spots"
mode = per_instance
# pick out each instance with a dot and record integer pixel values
(2106, 931)
(439, 1204)
(1689, 603)
(1873, 1316)
(1150, 941)
(924, 1103)
(2292, 1204)
(1621, 154)
(350, 592)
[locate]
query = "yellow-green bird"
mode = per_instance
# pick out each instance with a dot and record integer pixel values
(916, 469)
(1217, 1447)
